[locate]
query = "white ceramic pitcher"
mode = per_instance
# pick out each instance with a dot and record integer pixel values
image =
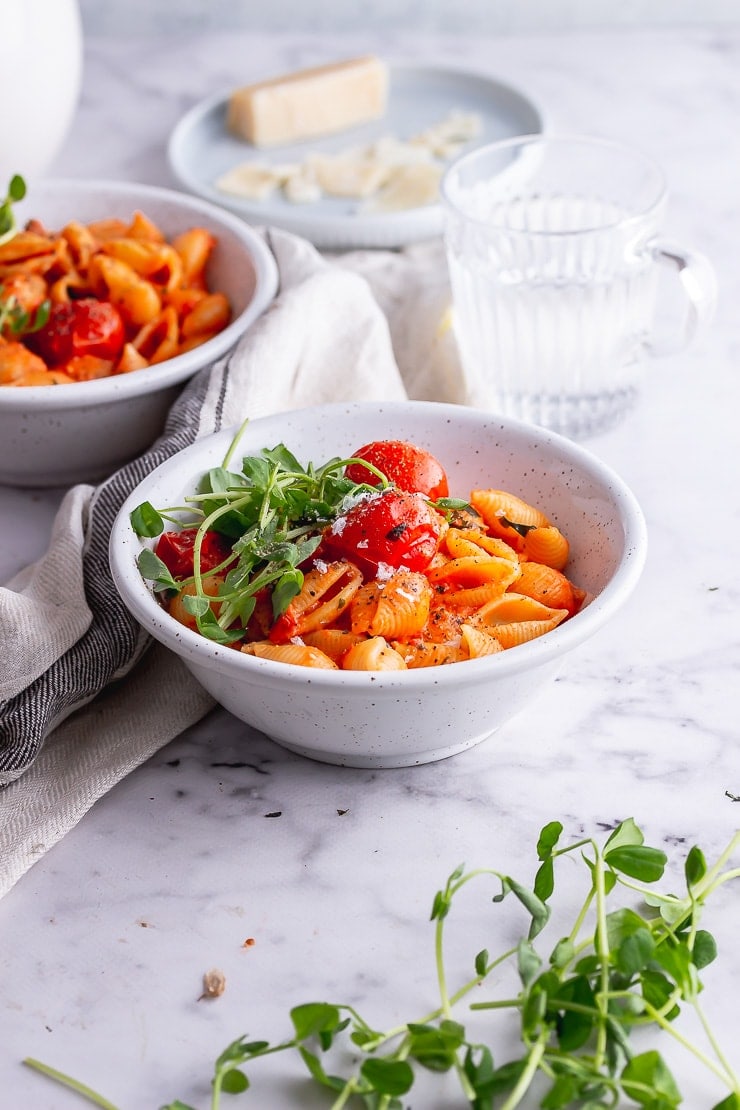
(40, 78)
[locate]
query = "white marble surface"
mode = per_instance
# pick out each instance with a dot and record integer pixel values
(105, 940)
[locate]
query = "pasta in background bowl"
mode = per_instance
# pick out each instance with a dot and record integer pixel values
(381, 719)
(83, 431)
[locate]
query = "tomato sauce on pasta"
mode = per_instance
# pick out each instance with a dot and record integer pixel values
(103, 298)
(390, 578)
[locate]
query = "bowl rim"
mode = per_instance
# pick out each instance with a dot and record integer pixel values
(153, 379)
(199, 651)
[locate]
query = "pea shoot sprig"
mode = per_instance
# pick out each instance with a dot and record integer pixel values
(273, 510)
(15, 320)
(579, 997)
(15, 192)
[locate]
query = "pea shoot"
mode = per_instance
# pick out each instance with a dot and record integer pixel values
(15, 192)
(15, 320)
(273, 510)
(579, 997)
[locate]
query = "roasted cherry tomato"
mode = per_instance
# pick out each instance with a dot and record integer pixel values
(175, 549)
(407, 466)
(84, 327)
(392, 526)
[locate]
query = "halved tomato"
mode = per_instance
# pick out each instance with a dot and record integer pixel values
(391, 526)
(409, 467)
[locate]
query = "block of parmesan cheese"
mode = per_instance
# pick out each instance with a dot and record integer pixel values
(309, 102)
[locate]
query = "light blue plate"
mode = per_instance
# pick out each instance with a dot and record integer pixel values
(200, 149)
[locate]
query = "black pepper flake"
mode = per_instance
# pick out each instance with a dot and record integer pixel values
(276, 813)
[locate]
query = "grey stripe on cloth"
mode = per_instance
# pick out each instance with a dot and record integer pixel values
(114, 641)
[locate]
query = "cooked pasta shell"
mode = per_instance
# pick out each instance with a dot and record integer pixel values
(547, 545)
(141, 227)
(130, 359)
(210, 584)
(374, 654)
(497, 506)
(88, 368)
(194, 247)
(25, 247)
(334, 642)
(111, 228)
(478, 643)
(301, 655)
(474, 570)
(81, 243)
(443, 624)
(159, 339)
(472, 597)
(157, 262)
(136, 298)
(211, 314)
(469, 541)
(520, 632)
(549, 586)
(515, 607)
(397, 607)
(16, 362)
(325, 595)
(27, 290)
(425, 654)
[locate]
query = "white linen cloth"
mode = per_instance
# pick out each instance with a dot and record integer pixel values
(77, 711)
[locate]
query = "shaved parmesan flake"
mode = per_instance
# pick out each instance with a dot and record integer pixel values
(408, 187)
(388, 175)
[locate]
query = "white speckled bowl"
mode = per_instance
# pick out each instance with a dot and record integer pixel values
(372, 719)
(59, 435)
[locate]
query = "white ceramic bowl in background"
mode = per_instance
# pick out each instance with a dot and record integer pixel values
(376, 719)
(60, 435)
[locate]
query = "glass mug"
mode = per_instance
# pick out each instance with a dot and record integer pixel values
(554, 254)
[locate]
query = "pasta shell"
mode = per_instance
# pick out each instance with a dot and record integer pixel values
(397, 607)
(210, 583)
(474, 570)
(496, 507)
(425, 654)
(473, 597)
(211, 314)
(141, 227)
(81, 242)
(301, 655)
(334, 642)
(479, 643)
(520, 632)
(547, 545)
(443, 624)
(326, 593)
(514, 607)
(461, 542)
(549, 586)
(374, 654)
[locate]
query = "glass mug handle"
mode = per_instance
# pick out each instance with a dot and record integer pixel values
(699, 286)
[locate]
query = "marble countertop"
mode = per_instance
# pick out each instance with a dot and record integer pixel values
(223, 836)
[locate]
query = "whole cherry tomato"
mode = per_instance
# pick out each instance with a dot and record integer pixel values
(392, 526)
(84, 327)
(175, 549)
(407, 466)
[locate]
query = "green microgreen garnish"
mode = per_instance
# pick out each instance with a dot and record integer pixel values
(15, 321)
(575, 1000)
(16, 191)
(274, 509)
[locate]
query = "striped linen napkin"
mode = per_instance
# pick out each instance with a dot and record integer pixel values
(77, 710)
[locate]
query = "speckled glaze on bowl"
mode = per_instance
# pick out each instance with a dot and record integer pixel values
(60, 435)
(374, 719)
